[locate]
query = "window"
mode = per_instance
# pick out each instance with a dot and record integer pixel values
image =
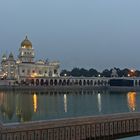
(23, 71)
(55, 71)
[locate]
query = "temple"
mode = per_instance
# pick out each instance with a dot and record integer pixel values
(25, 67)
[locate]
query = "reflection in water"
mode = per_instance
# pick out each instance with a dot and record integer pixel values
(21, 106)
(65, 102)
(99, 102)
(131, 99)
(35, 102)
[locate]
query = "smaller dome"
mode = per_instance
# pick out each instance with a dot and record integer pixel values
(26, 43)
(4, 57)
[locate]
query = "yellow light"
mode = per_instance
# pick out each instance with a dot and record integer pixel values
(34, 75)
(35, 102)
(131, 99)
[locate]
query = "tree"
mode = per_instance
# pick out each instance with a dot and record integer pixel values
(106, 73)
(93, 72)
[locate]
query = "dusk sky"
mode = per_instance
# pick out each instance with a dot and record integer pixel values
(79, 33)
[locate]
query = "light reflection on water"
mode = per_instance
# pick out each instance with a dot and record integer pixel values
(131, 99)
(20, 106)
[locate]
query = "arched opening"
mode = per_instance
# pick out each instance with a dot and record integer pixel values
(60, 82)
(101, 83)
(88, 82)
(51, 82)
(136, 83)
(32, 82)
(42, 82)
(55, 82)
(95, 83)
(80, 82)
(98, 82)
(46, 83)
(64, 82)
(105, 83)
(72, 82)
(37, 82)
(91, 82)
(84, 82)
(68, 82)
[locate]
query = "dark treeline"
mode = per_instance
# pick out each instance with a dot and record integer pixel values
(77, 72)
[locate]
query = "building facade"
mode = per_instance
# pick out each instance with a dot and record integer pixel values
(25, 67)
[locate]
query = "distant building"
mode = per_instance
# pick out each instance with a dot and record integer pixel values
(114, 73)
(25, 67)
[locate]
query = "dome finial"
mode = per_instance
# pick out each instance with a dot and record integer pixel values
(26, 37)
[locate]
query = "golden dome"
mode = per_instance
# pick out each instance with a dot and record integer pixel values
(26, 43)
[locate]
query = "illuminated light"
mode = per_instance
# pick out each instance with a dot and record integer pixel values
(18, 62)
(132, 70)
(35, 102)
(34, 75)
(65, 74)
(99, 102)
(65, 102)
(22, 53)
(132, 73)
(99, 75)
(131, 99)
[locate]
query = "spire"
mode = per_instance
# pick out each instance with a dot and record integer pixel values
(4, 57)
(11, 57)
(26, 37)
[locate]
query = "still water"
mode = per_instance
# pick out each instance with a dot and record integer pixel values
(20, 106)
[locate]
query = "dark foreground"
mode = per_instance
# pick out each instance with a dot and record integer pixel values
(99, 127)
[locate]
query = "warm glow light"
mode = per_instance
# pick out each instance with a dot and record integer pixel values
(131, 99)
(132, 70)
(35, 102)
(34, 75)
(18, 62)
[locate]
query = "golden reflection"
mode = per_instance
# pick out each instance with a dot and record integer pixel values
(35, 102)
(131, 99)
(65, 102)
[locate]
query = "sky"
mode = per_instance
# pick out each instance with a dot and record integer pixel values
(96, 34)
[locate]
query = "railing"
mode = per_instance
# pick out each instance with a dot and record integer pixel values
(98, 127)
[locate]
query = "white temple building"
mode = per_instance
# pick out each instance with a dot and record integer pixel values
(25, 67)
